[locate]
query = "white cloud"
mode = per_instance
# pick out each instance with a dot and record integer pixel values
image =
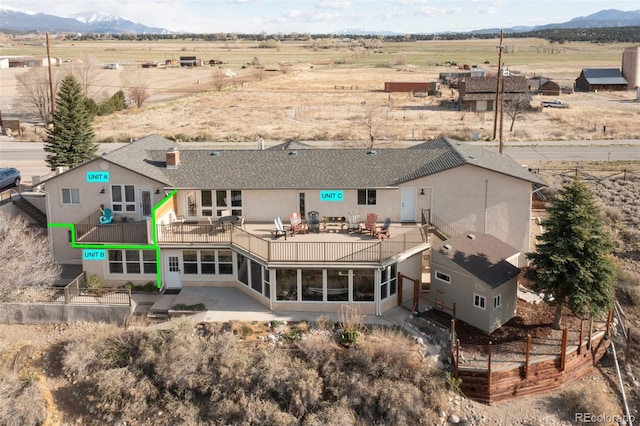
(488, 10)
(334, 5)
(395, 13)
(410, 2)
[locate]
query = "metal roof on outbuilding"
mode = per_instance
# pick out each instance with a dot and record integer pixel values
(604, 76)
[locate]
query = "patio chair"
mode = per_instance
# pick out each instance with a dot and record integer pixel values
(107, 217)
(313, 224)
(213, 226)
(240, 222)
(383, 231)
(297, 224)
(353, 222)
(370, 225)
(280, 231)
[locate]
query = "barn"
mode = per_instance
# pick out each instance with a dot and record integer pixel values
(549, 88)
(594, 79)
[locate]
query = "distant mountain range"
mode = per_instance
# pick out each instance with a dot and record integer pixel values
(603, 19)
(91, 22)
(100, 23)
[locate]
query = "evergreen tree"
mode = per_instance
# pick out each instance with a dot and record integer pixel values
(573, 264)
(70, 140)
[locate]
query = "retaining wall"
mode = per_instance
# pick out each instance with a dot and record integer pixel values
(51, 313)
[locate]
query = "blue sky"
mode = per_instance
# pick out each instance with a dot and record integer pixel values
(326, 16)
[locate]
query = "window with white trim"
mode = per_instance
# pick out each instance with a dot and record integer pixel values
(207, 262)
(497, 301)
(123, 198)
(132, 261)
(366, 197)
(479, 301)
(443, 277)
(70, 196)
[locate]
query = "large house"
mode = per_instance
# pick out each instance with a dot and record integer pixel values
(166, 202)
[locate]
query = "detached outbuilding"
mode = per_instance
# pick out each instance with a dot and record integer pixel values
(606, 79)
(477, 272)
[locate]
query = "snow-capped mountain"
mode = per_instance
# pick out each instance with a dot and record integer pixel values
(12, 19)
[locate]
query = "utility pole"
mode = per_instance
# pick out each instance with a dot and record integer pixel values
(501, 114)
(53, 101)
(495, 118)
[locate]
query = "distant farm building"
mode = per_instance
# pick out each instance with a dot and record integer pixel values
(30, 62)
(549, 88)
(478, 94)
(112, 66)
(631, 66)
(411, 87)
(190, 61)
(606, 79)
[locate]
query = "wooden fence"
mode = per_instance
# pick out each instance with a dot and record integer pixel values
(531, 368)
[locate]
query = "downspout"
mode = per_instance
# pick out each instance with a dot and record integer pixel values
(486, 196)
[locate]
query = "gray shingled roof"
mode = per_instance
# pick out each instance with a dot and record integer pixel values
(604, 76)
(484, 256)
(307, 168)
(512, 84)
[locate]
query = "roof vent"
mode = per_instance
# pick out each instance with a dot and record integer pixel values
(471, 236)
(472, 157)
(372, 152)
(447, 247)
(215, 153)
(294, 153)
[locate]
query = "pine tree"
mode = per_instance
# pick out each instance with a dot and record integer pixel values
(573, 264)
(70, 140)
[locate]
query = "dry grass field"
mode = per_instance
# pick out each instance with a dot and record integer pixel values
(331, 85)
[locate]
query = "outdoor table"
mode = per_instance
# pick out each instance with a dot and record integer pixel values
(228, 220)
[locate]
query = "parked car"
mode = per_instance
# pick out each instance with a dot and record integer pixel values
(553, 104)
(9, 176)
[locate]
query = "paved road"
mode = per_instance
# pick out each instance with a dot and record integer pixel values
(29, 157)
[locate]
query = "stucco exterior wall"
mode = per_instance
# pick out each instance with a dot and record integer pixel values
(473, 199)
(91, 199)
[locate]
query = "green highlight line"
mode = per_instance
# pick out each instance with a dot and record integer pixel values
(153, 246)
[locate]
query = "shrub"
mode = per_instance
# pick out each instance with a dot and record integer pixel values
(95, 282)
(587, 399)
(22, 403)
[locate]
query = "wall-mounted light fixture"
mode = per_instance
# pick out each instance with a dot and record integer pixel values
(157, 191)
(102, 191)
(422, 191)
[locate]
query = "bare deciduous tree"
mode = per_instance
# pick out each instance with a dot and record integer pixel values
(374, 120)
(25, 258)
(218, 76)
(137, 87)
(517, 107)
(34, 94)
(88, 73)
(285, 66)
(259, 72)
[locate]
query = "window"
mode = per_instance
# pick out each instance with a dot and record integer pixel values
(208, 262)
(497, 301)
(363, 285)
(207, 203)
(337, 285)
(388, 281)
(366, 197)
(132, 261)
(70, 196)
(225, 262)
(478, 301)
(123, 198)
(286, 284)
(190, 262)
(312, 280)
(443, 277)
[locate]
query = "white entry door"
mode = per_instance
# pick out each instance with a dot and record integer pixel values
(173, 276)
(408, 208)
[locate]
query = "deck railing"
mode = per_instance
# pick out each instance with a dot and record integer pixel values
(293, 251)
(89, 230)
